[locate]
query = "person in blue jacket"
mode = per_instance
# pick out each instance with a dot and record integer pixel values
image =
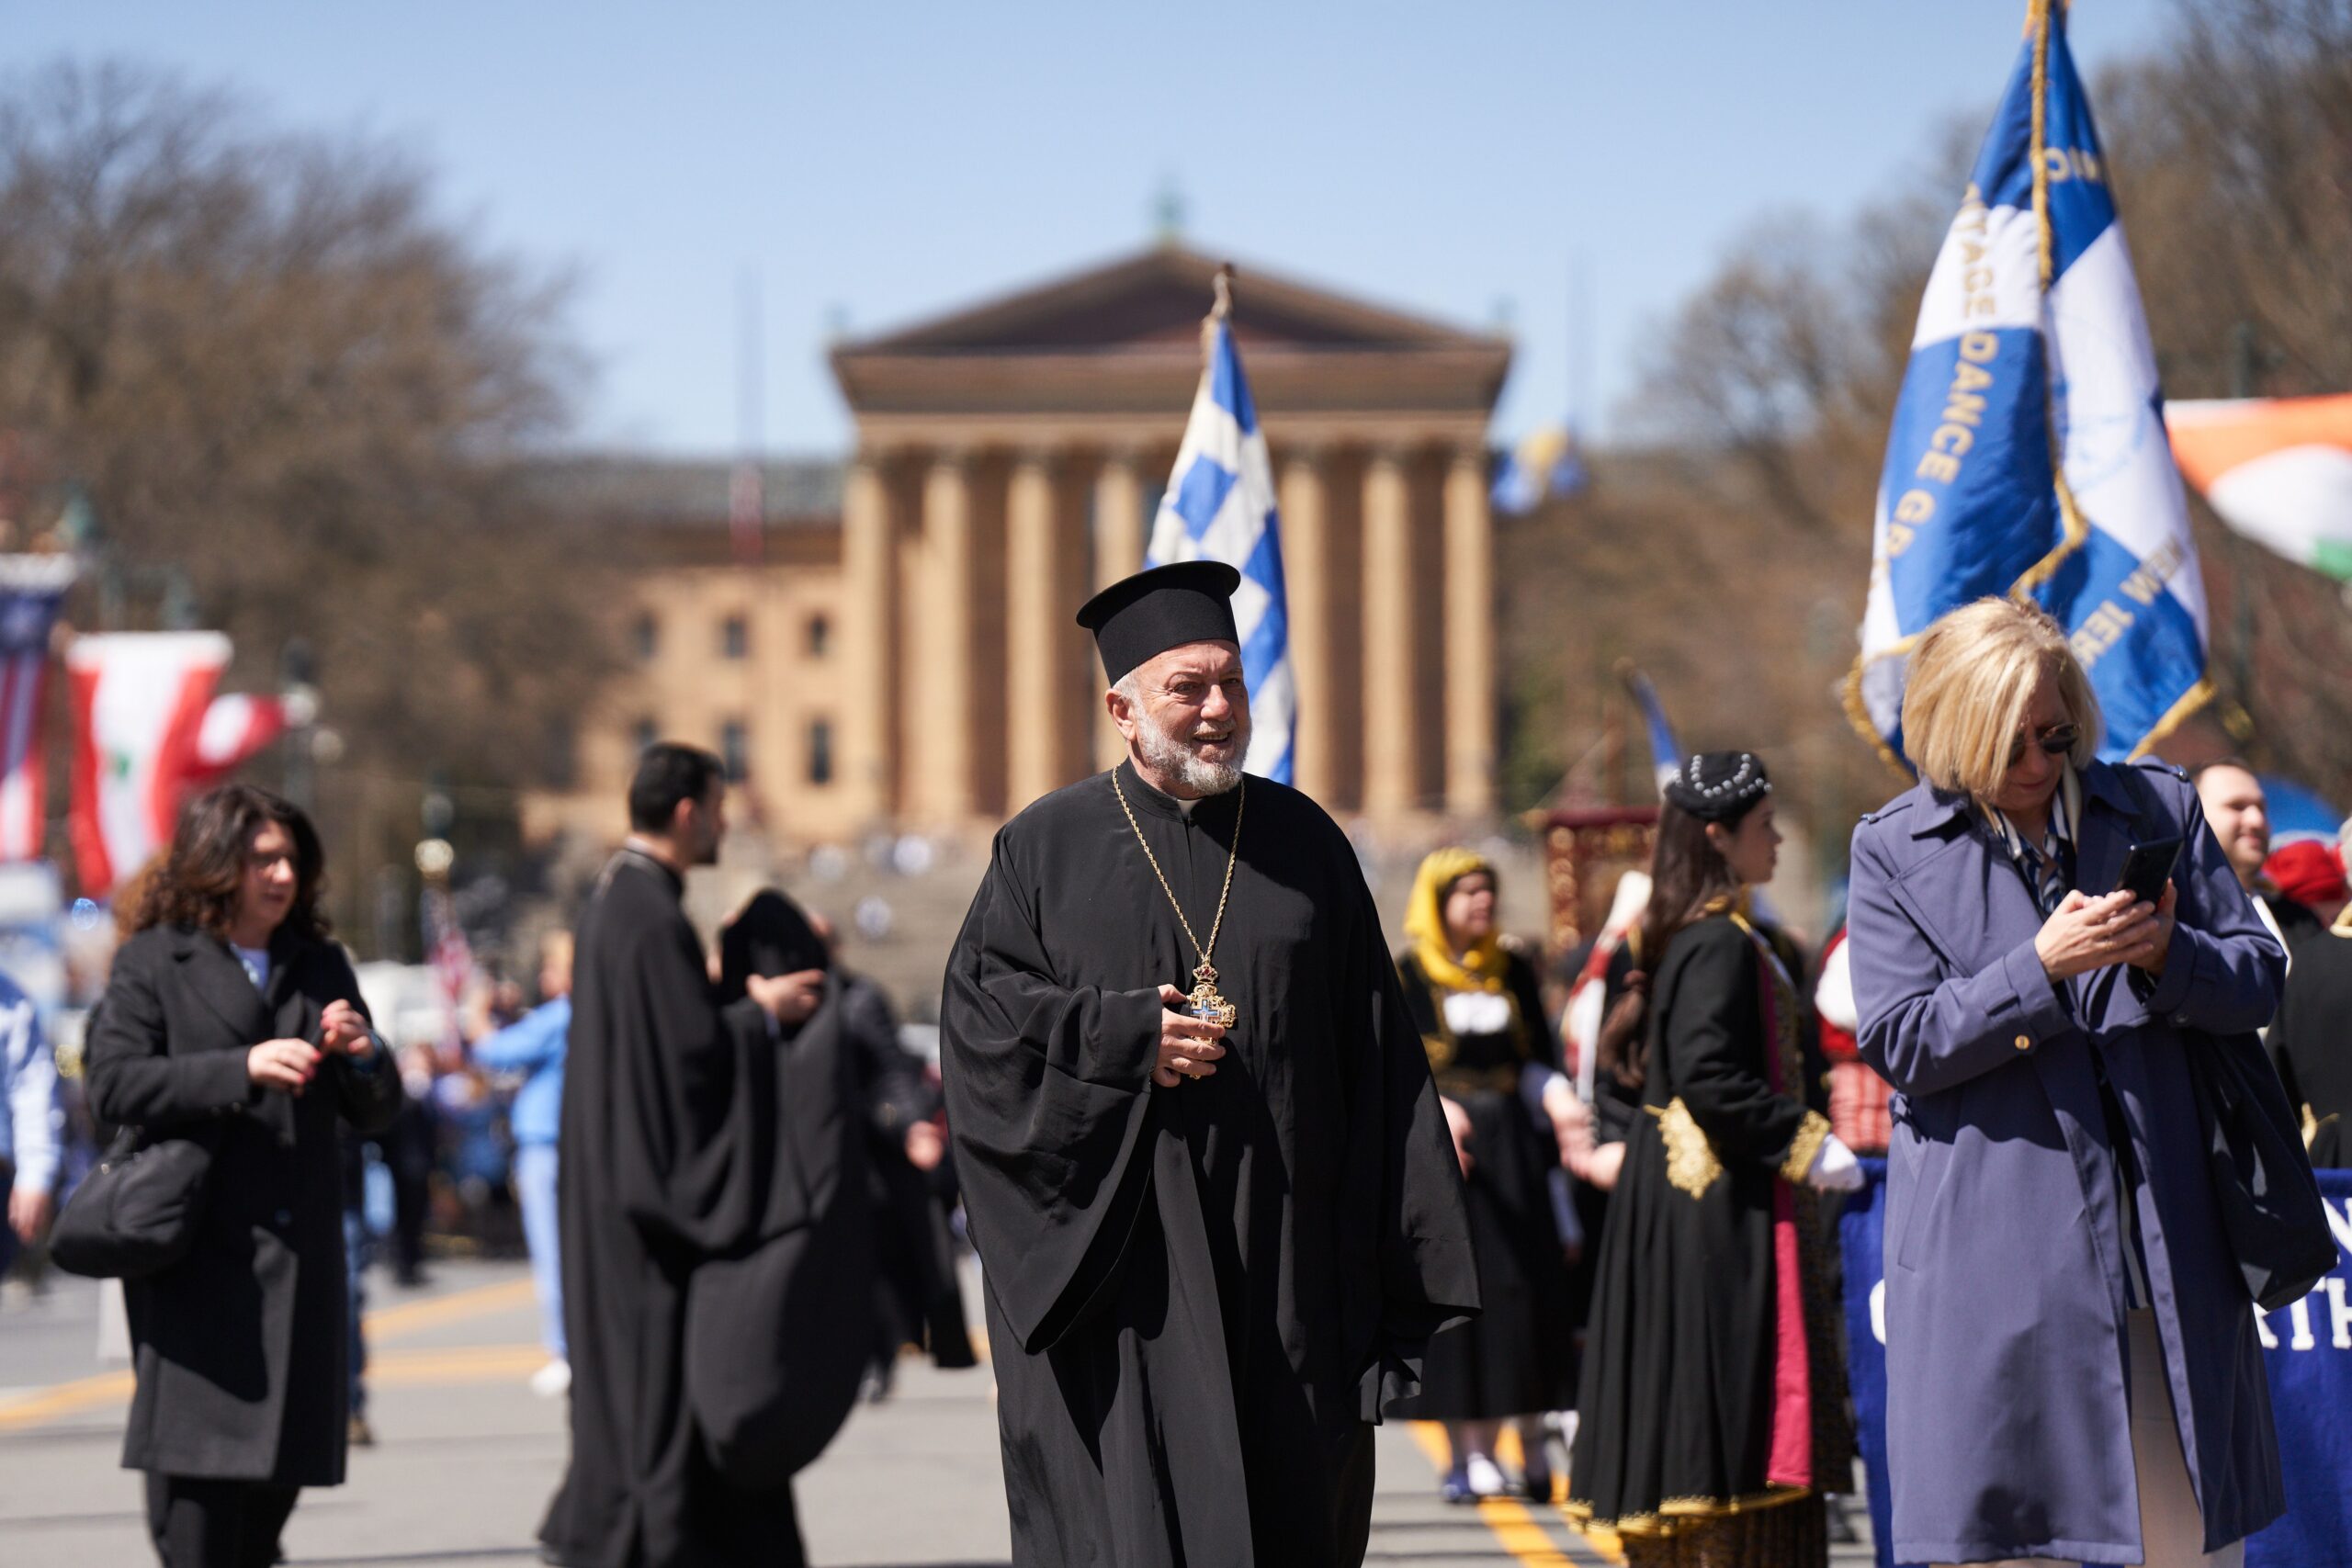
(533, 1046)
(2071, 1365)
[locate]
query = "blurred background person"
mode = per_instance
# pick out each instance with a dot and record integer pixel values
(2067, 1330)
(918, 1300)
(2309, 874)
(1860, 1102)
(411, 1149)
(1478, 1007)
(358, 1251)
(32, 1123)
(2239, 813)
(233, 1014)
(532, 1049)
(1712, 1380)
(2310, 1040)
(650, 1192)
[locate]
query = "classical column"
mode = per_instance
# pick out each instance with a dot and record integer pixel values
(1118, 518)
(1032, 763)
(1391, 722)
(869, 629)
(1118, 552)
(942, 777)
(1305, 513)
(1469, 638)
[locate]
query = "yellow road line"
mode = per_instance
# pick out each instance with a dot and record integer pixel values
(44, 1405)
(1515, 1530)
(467, 1363)
(410, 1317)
(47, 1405)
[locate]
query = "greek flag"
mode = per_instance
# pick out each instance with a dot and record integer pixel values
(1220, 506)
(2031, 340)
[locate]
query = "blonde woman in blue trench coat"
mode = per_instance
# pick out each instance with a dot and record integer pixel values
(2072, 1366)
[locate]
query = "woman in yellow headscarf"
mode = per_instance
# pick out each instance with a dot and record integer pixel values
(1476, 1000)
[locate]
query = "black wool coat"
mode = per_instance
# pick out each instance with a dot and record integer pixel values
(240, 1348)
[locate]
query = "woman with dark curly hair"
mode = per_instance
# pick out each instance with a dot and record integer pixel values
(232, 1017)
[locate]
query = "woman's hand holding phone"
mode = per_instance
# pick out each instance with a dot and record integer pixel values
(2147, 951)
(2086, 934)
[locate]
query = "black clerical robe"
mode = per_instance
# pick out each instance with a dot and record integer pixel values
(656, 1179)
(1197, 1297)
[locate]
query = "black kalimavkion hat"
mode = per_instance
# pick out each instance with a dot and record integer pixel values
(1716, 786)
(1142, 617)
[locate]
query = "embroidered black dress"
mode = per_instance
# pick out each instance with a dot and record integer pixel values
(1514, 1359)
(1712, 1395)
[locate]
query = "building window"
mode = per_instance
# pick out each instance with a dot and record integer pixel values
(735, 749)
(642, 734)
(562, 762)
(645, 637)
(820, 636)
(820, 751)
(734, 638)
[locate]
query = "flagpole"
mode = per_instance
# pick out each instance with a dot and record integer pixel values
(1220, 308)
(2076, 531)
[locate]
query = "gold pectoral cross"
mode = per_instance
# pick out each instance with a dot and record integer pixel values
(1206, 1002)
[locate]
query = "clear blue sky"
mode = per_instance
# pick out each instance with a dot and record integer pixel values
(881, 162)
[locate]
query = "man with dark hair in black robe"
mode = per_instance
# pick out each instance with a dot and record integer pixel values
(657, 1179)
(1216, 1229)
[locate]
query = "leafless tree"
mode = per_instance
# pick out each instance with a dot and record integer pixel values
(285, 381)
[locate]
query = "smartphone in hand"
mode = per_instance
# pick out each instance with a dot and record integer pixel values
(2147, 868)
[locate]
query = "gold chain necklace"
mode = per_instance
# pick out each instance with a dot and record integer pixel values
(1206, 1001)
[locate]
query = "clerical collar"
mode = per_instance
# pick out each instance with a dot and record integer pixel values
(1148, 797)
(632, 851)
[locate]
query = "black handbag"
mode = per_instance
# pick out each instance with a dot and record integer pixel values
(136, 1212)
(2262, 1176)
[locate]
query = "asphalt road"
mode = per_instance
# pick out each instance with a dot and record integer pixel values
(466, 1455)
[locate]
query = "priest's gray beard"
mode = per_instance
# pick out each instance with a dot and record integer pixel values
(1171, 755)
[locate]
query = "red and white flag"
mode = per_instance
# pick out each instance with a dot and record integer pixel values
(139, 701)
(236, 726)
(2277, 469)
(31, 590)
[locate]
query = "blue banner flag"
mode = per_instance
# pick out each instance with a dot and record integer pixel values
(1665, 754)
(1220, 506)
(2306, 1348)
(2028, 455)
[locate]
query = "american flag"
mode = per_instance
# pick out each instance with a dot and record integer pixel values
(31, 590)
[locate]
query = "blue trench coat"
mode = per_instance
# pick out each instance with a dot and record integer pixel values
(2008, 1433)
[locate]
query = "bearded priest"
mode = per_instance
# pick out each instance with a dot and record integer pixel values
(1216, 1206)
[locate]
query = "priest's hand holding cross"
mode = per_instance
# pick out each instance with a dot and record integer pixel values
(1187, 1046)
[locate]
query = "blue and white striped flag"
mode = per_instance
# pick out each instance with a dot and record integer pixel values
(2031, 337)
(1220, 506)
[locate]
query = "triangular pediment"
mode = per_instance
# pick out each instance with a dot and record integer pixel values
(1156, 299)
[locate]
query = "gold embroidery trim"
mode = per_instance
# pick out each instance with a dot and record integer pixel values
(1691, 1163)
(1680, 1513)
(1812, 1132)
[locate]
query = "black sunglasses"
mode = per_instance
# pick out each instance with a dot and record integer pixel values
(2055, 741)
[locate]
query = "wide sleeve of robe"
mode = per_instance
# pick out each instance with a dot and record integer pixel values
(682, 1170)
(1710, 1028)
(1048, 1093)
